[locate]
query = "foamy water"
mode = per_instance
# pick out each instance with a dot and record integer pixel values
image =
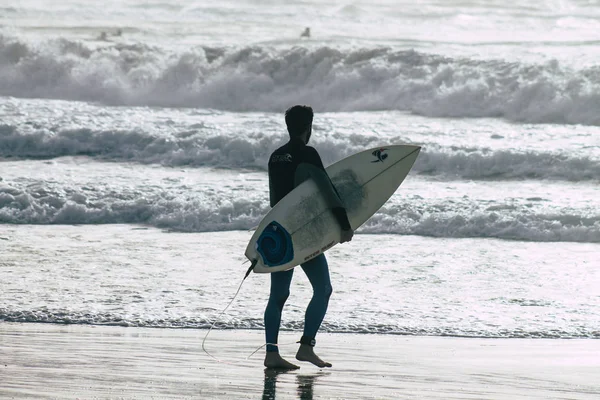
(169, 124)
(409, 285)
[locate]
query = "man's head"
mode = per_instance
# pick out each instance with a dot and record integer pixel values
(299, 120)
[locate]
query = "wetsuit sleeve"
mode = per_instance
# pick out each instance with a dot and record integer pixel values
(272, 198)
(312, 167)
(341, 216)
(311, 156)
(272, 190)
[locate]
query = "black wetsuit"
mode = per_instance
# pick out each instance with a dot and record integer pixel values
(283, 165)
(289, 165)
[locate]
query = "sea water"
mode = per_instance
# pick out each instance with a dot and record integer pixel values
(133, 163)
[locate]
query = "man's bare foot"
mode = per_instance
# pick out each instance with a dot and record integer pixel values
(274, 360)
(306, 353)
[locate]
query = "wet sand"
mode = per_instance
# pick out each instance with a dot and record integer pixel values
(46, 361)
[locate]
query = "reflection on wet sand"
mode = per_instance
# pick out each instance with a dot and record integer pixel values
(305, 383)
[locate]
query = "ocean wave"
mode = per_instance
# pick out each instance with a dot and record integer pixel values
(262, 78)
(490, 164)
(197, 148)
(502, 221)
(89, 318)
(37, 204)
(512, 219)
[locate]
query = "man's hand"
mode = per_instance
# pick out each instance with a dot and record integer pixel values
(346, 235)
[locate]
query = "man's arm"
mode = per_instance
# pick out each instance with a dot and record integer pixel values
(313, 168)
(272, 201)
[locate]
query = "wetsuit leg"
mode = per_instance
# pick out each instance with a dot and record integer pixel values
(280, 291)
(317, 272)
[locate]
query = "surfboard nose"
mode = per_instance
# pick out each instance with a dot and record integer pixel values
(413, 151)
(406, 152)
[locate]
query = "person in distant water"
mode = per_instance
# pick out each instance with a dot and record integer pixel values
(306, 32)
(289, 166)
(104, 36)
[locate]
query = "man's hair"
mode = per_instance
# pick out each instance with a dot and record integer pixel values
(298, 119)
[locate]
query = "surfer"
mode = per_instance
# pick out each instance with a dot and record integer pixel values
(289, 166)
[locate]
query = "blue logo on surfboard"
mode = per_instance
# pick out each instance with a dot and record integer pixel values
(380, 154)
(275, 245)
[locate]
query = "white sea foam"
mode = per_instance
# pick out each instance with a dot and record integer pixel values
(260, 78)
(131, 276)
(198, 148)
(519, 220)
(46, 315)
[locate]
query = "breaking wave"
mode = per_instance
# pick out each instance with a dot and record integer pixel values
(262, 78)
(197, 149)
(514, 220)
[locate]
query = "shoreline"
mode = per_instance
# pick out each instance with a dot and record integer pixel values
(84, 361)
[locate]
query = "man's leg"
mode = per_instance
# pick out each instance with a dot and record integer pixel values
(317, 272)
(280, 291)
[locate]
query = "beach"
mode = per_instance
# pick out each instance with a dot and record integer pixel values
(50, 361)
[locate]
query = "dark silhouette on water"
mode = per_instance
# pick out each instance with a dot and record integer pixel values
(104, 36)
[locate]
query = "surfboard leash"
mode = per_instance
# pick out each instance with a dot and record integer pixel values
(223, 312)
(250, 269)
(254, 262)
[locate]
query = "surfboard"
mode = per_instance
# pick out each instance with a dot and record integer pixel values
(301, 226)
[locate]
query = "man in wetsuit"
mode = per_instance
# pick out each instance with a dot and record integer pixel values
(289, 166)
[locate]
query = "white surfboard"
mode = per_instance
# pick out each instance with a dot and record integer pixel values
(301, 226)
